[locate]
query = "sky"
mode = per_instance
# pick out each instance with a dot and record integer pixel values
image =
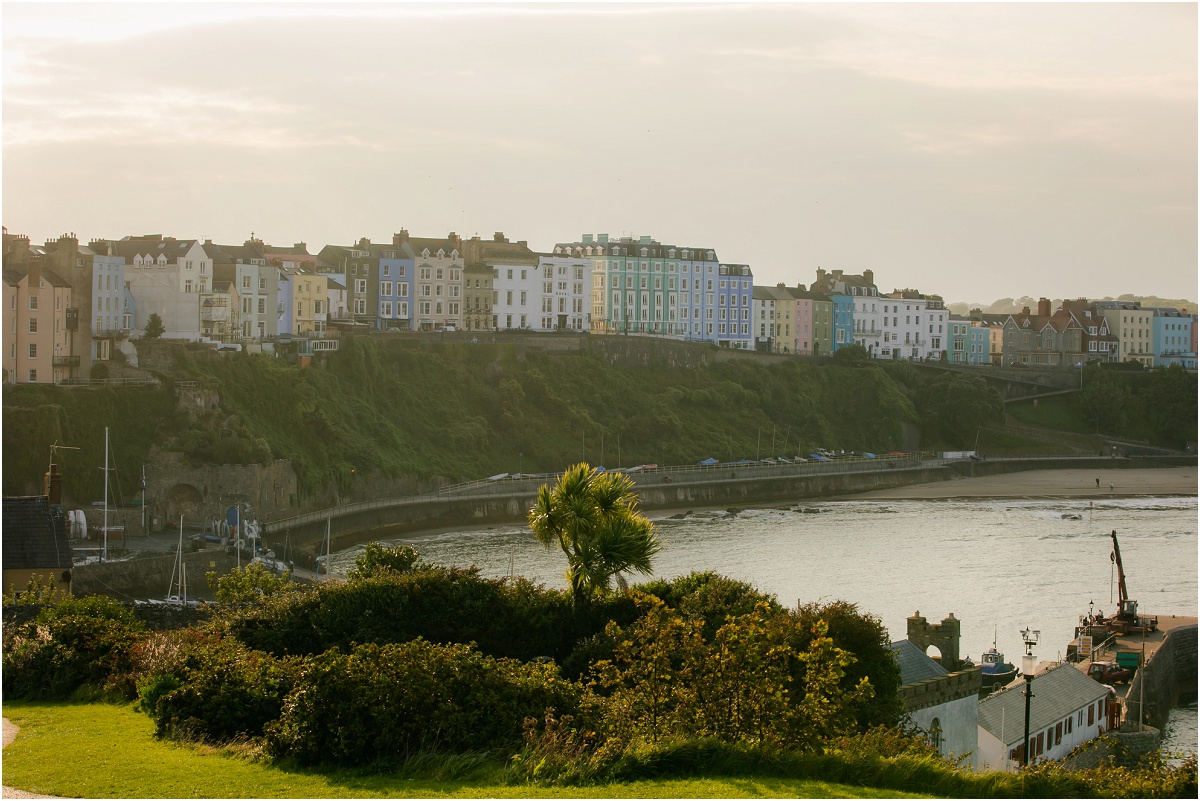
(976, 151)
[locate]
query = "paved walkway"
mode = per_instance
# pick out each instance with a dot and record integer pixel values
(10, 733)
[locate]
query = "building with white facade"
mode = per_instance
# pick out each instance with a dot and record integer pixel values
(1133, 327)
(168, 277)
(1067, 709)
(913, 326)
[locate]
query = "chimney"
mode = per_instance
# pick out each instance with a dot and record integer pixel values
(54, 486)
(1044, 307)
(869, 276)
(821, 277)
(523, 243)
(456, 240)
(586, 239)
(837, 275)
(499, 237)
(301, 246)
(400, 238)
(780, 286)
(1025, 310)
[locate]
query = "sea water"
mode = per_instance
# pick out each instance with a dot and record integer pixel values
(998, 566)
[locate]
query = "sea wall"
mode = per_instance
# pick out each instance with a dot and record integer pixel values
(1122, 748)
(148, 577)
(1167, 675)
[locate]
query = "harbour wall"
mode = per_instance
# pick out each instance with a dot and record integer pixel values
(507, 502)
(149, 577)
(1167, 675)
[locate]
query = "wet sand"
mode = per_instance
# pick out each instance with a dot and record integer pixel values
(1080, 484)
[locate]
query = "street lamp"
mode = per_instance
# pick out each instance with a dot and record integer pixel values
(1027, 664)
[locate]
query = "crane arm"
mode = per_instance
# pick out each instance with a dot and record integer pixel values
(1116, 557)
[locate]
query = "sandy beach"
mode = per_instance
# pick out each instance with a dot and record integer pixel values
(1051, 484)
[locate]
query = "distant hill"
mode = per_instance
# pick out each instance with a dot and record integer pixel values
(1014, 305)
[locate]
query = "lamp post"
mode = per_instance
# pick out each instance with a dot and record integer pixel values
(1027, 665)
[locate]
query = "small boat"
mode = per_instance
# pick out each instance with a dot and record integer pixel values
(996, 672)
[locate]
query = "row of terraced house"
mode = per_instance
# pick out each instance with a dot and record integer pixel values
(70, 306)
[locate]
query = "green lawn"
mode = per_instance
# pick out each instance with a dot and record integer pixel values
(107, 751)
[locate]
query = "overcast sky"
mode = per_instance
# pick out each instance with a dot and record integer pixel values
(977, 151)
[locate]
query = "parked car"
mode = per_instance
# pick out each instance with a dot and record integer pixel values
(1109, 673)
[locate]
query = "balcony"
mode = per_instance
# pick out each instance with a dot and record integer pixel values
(110, 333)
(66, 361)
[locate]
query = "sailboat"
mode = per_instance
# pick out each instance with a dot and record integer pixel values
(323, 560)
(178, 574)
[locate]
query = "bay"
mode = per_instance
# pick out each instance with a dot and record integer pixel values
(998, 566)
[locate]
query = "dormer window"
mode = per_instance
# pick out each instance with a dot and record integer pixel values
(645, 251)
(671, 253)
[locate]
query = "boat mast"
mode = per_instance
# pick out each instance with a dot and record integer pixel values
(104, 549)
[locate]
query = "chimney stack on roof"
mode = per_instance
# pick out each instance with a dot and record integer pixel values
(1044, 307)
(499, 237)
(869, 276)
(397, 239)
(54, 486)
(1025, 310)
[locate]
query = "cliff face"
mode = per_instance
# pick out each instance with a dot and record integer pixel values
(387, 411)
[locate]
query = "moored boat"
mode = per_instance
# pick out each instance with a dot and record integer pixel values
(996, 672)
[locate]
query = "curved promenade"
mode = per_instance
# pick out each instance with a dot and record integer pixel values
(507, 499)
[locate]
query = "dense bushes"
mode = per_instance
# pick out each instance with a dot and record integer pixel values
(391, 701)
(213, 688)
(77, 643)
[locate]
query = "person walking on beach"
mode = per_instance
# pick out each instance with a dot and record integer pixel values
(1097, 482)
(1110, 486)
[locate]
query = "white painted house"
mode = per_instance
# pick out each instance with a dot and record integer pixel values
(913, 326)
(168, 277)
(1067, 709)
(943, 704)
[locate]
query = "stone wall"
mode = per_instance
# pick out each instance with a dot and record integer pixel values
(1170, 672)
(149, 577)
(943, 689)
(204, 492)
(1120, 748)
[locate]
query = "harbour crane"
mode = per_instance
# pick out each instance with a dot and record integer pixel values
(1126, 620)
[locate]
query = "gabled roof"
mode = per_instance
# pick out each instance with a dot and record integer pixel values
(1057, 693)
(54, 279)
(173, 249)
(35, 535)
(915, 666)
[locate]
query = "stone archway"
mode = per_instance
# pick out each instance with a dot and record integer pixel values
(944, 636)
(183, 499)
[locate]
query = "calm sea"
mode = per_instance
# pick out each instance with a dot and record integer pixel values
(998, 566)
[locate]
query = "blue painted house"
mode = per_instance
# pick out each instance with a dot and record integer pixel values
(396, 289)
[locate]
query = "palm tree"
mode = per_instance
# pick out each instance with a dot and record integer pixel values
(593, 517)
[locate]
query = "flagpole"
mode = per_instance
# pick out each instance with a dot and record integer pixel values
(143, 500)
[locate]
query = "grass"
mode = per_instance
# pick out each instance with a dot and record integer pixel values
(99, 750)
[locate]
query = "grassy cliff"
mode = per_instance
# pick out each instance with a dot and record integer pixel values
(392, 408)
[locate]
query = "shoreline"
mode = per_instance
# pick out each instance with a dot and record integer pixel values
(1027, 485)
(1050, 485)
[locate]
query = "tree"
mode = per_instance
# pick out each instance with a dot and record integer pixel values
(956, 404)
(851, 356)
(377, 559)
(1104, 400)
(248, 584)
(154, 327)
(593, 517)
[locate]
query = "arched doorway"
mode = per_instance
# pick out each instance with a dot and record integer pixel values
(183, 499)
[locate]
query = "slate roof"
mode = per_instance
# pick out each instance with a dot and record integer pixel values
(1057, 693)
(173, 249)
(915, 666)
(35, 534)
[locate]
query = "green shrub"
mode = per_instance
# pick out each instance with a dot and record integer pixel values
(378, 558)
(217, 690)
(392, 701)
(77, 642)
